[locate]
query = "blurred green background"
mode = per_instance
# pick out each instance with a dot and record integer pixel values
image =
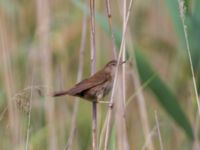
(40, 50)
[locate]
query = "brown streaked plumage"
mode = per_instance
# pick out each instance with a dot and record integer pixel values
(95, 87)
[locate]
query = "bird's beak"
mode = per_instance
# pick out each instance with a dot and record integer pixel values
(123, 62)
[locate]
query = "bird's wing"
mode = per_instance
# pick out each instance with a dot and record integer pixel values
(96, 79)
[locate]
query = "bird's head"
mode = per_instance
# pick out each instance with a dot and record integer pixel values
(111, 66)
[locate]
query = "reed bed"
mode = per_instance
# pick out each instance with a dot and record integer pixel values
(48, 46)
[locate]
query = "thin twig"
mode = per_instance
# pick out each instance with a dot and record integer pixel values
(108, 8)
(124, 56)
(79, 77)
(140, 89)
(142, 107)
(93, 70)
(149, 137)
(103, 133)
(29, 118)
(93, 41)
(158, 129)
(182, 15)
(115, 80)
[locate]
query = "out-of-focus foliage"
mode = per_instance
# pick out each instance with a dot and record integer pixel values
(159, 88)
(157, 31)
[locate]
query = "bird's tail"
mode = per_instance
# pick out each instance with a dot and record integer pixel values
(60, 93)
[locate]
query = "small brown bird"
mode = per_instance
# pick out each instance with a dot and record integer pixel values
(95, 87)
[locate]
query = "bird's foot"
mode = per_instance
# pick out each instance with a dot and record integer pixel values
(110, 104)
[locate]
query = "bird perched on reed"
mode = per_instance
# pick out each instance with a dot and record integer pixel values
(95, 87)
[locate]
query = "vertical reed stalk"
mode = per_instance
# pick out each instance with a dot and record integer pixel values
(108, 10)
(182, 15)
(93, 70)
(141, 99)
(9, 82)
(158, 129)
(79, 77)
(124, 55)
(115, 80)
(142, 108)
(29, 117)
(43, 20)
(121, 96)
(122, 139)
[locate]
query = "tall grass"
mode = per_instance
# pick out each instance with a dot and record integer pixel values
(9, 83)
(47, 45)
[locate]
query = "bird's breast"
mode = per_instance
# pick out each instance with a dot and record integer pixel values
(97, 92)
(107, 88)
